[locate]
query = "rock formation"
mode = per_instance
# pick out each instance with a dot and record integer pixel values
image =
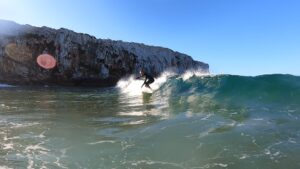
(81, 59)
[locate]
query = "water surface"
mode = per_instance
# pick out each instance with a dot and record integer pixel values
(200, 122)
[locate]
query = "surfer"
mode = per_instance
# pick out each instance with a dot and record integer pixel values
(148, 79)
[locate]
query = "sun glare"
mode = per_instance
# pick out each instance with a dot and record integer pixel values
(13, 10)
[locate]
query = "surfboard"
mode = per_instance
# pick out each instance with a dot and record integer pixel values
(146, 93)
(146, 90)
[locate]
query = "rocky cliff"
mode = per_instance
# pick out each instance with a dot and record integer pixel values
(81, 59)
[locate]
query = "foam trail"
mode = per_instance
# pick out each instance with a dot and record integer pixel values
(5, 85)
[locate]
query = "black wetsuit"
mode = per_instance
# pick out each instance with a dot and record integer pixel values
(148, 79)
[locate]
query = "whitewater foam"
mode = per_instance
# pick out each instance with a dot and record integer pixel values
(132, 86)
(102, 141)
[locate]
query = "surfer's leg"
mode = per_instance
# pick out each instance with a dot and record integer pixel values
(149, 82)
(147, 85)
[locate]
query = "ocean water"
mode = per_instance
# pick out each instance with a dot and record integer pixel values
(190, 121)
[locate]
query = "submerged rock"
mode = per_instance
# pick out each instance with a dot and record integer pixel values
(81, 59)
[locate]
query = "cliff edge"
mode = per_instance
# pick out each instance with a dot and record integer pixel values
(81, 59)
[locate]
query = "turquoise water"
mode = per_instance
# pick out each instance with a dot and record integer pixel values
(200, 122)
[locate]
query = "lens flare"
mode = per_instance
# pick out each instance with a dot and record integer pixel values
(46, 61)
(18, 52)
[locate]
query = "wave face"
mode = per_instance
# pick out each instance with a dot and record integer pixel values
(205, 92)
(187, 121)
(267, 89)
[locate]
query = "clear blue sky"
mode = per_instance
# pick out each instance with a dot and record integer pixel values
(246, 37)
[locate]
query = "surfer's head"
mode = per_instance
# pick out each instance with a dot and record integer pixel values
(142, 72)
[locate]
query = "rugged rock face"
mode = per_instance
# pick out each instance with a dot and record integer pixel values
(82, 59)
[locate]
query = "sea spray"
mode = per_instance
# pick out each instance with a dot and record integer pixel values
(196, 72)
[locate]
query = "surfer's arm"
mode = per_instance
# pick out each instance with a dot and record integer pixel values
(139, 77)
